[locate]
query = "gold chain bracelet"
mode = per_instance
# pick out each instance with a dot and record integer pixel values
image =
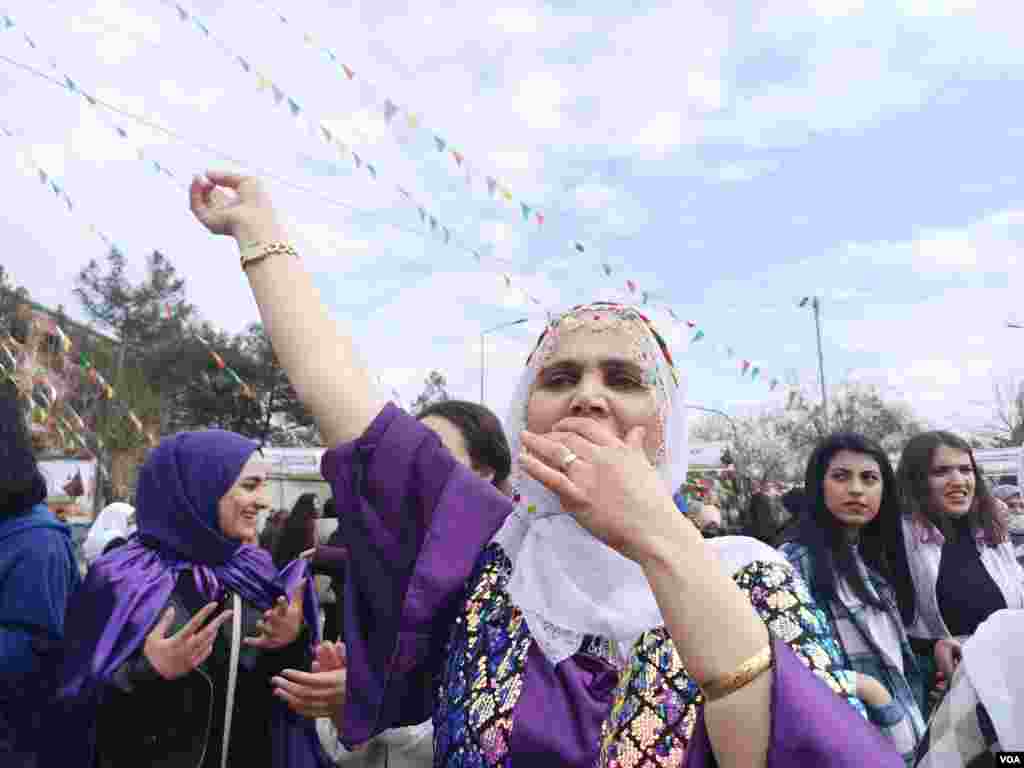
(250, 255)
(747, 672)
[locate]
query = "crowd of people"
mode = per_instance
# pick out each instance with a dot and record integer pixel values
(489, 594)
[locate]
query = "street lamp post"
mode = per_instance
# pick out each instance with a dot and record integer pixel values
(815, 303)
(483, 358)
(735, 442)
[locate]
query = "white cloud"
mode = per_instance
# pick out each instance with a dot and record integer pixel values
(950, 248)
(515, 21)
(539, 100)
(120, 31)
(510, 160)
(662, 133)
(200, 98)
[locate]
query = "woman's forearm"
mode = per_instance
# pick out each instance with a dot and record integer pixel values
(321, 362)
(715, 629)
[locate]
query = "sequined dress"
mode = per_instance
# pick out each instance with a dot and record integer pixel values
(431, 632)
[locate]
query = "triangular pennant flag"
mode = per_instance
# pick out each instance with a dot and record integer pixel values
(67, 201)
(54, 187)
(402, 191)
(447, 235)
(262, 83)
(754, 372)
(506, 194)
(358, 160)
(458, 157)
(729, 351)
(389, 110)
(243, 63)
(476, 255)
(422, 212)
(31, 43)
(440, 143)
(803, 302)
(773, 385)
(697, 336)
(540, 219)
(294, 107)
(413, 121)
(577, 246)
(202, 27)
(508, 280)
(326, 132)
(433, 223)
(308, 38)
(745, 367)
(348, 72)
(182, 13)
(372, 170)
(607, 269)
(70, 83)
(122, 132)
(7, 22)
(43, 177)
(631, 286)
(672, 314)
(526, 211)
(492, 184)
(278, 94)
(644, 296)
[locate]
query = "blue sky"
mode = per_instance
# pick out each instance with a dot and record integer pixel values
(727, 159)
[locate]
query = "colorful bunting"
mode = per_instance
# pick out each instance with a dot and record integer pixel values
(697, 337)
(390, 109)
(745, 367)
(440, 143)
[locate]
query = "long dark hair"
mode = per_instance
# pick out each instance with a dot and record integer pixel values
(299, 531)
(765, 519)
(482, 431)
(21, 484)
(881, 540)
(914, 470)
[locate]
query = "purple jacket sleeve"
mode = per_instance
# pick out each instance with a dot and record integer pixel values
(810, 725)
(415, 522)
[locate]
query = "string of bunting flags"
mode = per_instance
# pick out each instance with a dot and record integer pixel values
(649, 298)
(399, 117)
(395, 114)
(391, 112)
(302, 117)
(72, 85)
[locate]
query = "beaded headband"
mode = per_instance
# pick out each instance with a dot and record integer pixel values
(617, 307)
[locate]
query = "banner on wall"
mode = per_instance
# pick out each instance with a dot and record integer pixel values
(70, 483)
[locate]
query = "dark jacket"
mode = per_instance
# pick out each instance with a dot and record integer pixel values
(146, 720)
(38, 574)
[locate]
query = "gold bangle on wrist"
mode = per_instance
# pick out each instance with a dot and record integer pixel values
(256, 252)
(748, 671)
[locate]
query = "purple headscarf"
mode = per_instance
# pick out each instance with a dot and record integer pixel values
(179, 490)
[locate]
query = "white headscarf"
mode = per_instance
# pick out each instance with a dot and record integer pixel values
(566, 582)
(117, 520)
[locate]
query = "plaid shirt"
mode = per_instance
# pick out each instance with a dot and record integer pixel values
(960, 733)
(858, 628)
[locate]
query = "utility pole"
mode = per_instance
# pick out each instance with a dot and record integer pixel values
(815, 303)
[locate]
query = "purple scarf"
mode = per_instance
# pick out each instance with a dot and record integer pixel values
(179, 489)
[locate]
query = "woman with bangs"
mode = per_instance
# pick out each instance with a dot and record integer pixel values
(581, 622)
(959, 557)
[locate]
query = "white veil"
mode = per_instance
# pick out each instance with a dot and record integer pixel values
(566, 582)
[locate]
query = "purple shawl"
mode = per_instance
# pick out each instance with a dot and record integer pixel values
(179, 489)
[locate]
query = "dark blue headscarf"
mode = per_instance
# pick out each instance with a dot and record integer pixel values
(179, 490)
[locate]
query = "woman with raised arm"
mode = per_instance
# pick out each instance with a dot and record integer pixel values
(582, 622)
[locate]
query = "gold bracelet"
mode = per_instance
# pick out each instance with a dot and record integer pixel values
(748, 671)
(247, 258)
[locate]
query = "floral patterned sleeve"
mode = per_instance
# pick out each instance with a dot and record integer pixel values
(784, 603)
